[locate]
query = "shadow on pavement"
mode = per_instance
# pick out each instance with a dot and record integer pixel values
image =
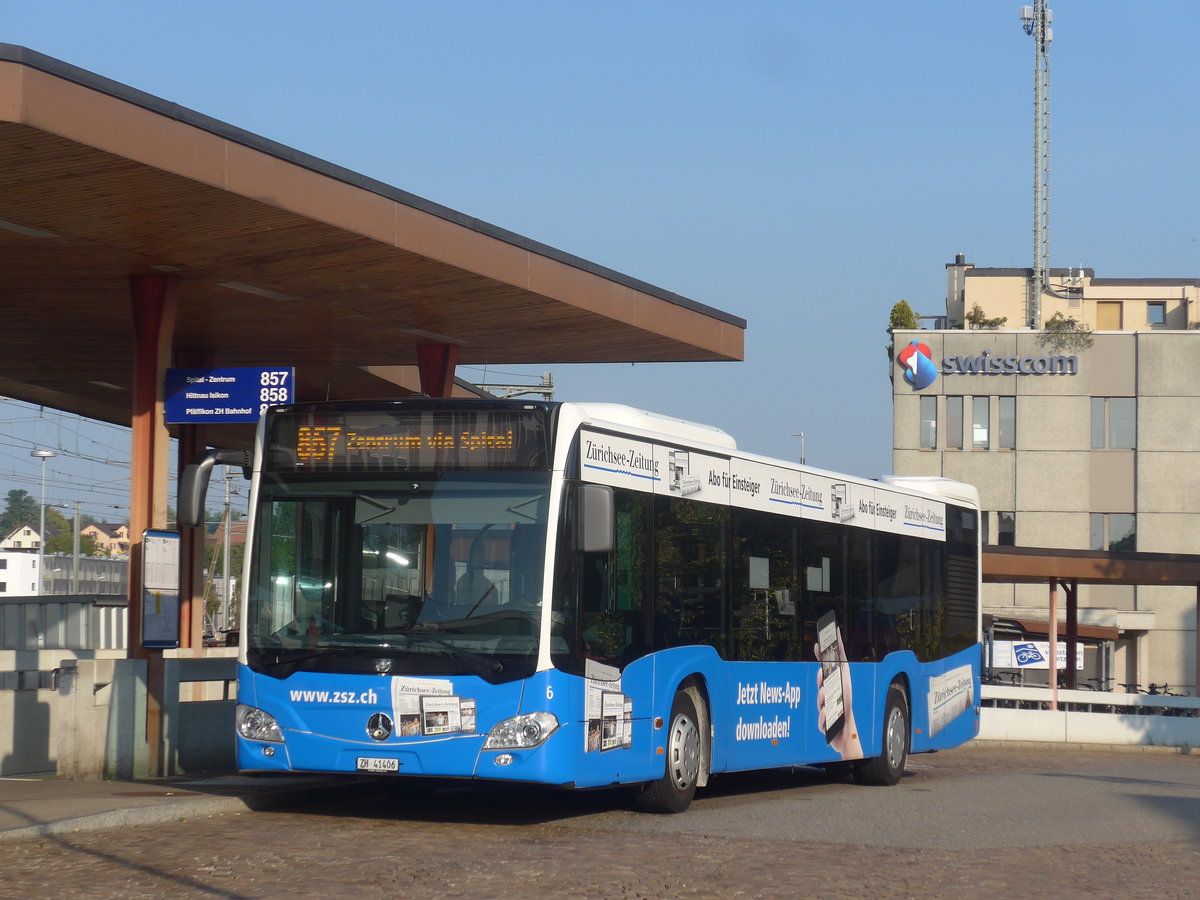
(489, 803)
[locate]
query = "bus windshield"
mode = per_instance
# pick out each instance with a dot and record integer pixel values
(428, 575)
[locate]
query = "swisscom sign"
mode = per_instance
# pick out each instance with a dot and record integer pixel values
(920, 370)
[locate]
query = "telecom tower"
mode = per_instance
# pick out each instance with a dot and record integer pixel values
(1037, 20)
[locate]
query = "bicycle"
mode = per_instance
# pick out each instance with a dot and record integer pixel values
(1138, 709)
(1164, 690)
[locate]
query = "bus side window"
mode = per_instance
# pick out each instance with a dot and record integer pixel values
(692, 566)
(861, 600)
(899, 622)
(824, 578)
(762, 596)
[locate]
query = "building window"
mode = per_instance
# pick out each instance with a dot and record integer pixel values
(954, 423)
(979, 422)
(928, 422)
(1008, 423)
(1156, 313)
(1006, 529)
(1108, 315)
(3, 587)
(1114, 423)
(1114, 531)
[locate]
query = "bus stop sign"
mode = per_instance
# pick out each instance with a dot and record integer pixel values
(199, 396)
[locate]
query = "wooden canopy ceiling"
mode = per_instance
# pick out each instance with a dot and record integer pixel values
(283, 259)
(1036, 565)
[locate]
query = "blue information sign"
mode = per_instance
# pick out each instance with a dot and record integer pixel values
(196, 396)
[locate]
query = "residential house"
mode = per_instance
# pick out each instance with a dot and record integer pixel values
(112, 538)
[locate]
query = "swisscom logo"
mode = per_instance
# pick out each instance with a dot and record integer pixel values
(919, 370)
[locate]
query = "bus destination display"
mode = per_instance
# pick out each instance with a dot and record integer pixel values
(409, 440)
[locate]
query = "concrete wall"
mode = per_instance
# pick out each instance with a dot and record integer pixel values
(1089, 717)
(101, 719)
(71, 702)
(1088, 728)
(29, 701)
(87, 719)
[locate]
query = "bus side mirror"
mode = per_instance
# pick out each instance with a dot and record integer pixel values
(193, 482)
(596, 518)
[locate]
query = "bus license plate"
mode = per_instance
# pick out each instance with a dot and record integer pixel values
(378, 764)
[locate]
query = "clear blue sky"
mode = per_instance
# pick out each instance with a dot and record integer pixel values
(802, 165)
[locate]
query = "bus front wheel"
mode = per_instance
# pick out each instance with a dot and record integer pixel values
(887, 768)
(674, 791)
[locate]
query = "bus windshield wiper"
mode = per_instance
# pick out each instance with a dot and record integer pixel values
(285, 661)
(486, 664)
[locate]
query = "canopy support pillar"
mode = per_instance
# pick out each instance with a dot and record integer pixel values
(436, 363)
(1052, 628)
(154, 300)
(191, 540)
(1071, 589)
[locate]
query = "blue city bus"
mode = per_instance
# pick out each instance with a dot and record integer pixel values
(588, 595)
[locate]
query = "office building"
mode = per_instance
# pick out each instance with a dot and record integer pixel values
(1083, 437)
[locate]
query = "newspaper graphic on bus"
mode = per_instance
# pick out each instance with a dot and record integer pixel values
(950, 695)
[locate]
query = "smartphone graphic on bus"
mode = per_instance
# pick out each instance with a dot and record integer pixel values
(831, 675)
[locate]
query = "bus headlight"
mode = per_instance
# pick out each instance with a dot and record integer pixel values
(521, 732)
(256, 725)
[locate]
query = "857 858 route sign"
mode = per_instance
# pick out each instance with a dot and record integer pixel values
(197, 396)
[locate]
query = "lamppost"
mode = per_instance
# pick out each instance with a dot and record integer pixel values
(43, 455)
(800, 434)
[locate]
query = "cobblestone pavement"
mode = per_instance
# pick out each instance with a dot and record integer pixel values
(487, 844)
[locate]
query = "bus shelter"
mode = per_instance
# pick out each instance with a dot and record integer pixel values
(138, 236)
(1067, 569)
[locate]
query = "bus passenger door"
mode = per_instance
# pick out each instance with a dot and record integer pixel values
(614, 636)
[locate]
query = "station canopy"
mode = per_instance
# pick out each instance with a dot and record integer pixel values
(282, 259)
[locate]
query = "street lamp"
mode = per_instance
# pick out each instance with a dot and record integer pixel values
(800, 434)
(43, 455)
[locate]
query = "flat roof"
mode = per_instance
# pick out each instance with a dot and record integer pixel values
(284, 259)
(1001, 272)
(1037, 565)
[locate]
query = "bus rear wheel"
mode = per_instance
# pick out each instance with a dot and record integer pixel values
(887, 768)
(674, 791)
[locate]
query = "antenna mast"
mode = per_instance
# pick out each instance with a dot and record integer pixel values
(1037, 20)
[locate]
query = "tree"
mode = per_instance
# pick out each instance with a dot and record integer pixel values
(977, 319)
(902, 318)
(1065, 333)
(65, 543)
(20, 509)
(56, 522)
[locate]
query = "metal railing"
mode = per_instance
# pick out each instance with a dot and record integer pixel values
(1004, 697)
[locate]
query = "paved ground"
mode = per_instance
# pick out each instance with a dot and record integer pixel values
(978, 821)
